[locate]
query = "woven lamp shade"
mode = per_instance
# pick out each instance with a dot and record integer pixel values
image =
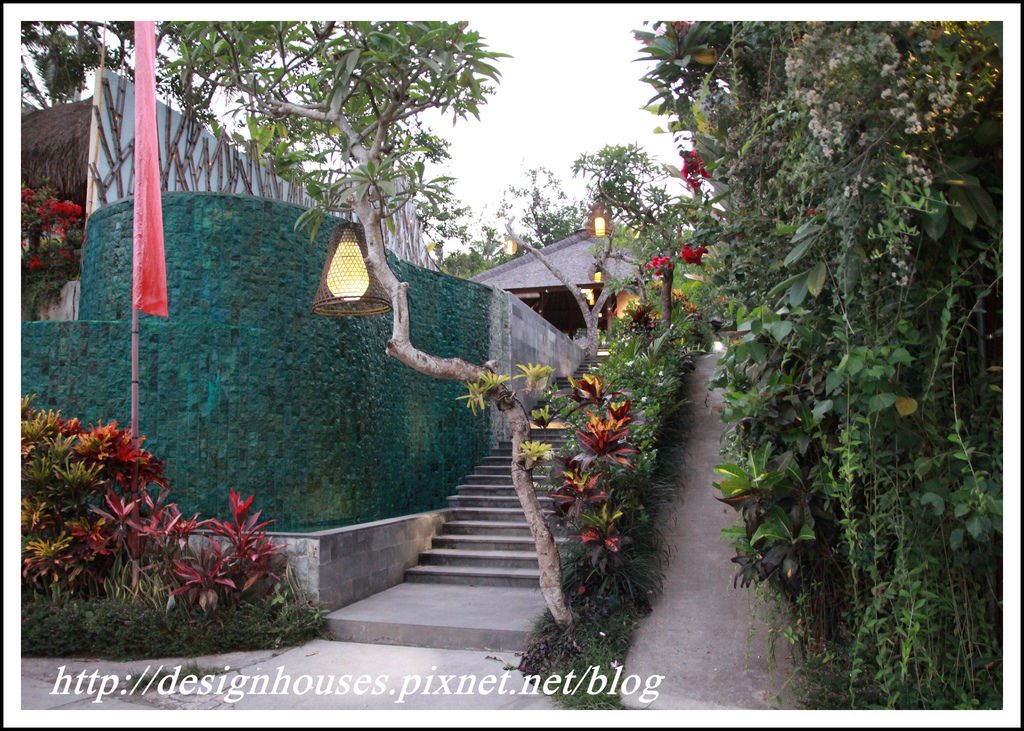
(599, 221)
(347, 288)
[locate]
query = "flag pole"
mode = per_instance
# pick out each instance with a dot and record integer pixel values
(149, 279)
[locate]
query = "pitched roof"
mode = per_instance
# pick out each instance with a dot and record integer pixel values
(573, 256)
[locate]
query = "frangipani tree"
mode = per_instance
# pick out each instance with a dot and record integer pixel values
(339, 100)
(639, 189)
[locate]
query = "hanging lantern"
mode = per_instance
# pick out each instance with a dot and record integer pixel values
(346, 287)
(599, 221)
(598, 276)
(588, 294)
(511, 247)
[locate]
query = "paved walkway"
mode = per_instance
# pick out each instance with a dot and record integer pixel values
(703, 635)
(319, 675)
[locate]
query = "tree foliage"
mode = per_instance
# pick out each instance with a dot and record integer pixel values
(336, 102)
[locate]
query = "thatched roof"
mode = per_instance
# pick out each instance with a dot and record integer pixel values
(55, 149)
(571, 255)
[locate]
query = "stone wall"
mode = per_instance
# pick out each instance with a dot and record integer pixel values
(344, 565)
(242, 387)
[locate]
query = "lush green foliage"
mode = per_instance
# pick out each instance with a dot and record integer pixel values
(858, 238)
(119, 628)
(618, 470)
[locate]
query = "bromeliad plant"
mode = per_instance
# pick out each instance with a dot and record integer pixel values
(480, 390)
(535, 376)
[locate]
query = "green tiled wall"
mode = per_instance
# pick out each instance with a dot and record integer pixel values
(243, 387)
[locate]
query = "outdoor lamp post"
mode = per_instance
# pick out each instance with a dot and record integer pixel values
(346, 287)
(599, 221)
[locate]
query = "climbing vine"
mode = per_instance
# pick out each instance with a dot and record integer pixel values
(858, 240)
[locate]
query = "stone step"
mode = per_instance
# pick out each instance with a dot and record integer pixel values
(493, 500)
(478, 479)
(473, 576)
(506, 490)
(492, 559)
(445, 616)
(487, 542)
(487, 514)
(487, 527)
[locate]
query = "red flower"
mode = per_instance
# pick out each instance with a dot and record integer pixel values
(662, 265)
(693, 256)
(693, 169)
(34, 264)
(812, 211)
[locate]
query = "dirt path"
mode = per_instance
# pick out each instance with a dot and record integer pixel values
(703, 635)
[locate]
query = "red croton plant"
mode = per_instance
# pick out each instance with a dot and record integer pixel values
(583, 501)
(93, 500)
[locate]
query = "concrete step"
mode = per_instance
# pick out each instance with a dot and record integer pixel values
(487, 514)
(493, 469)
(492, 559)
(506, 490)
(494, 500)
(473, 576)
(497, 460)
(487, 542)
(487, 527)
(445, 616)
(478, 479)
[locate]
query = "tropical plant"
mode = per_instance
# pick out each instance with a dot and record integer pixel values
(536, 376)
(864, 373)
(51, 245)
(533, 453)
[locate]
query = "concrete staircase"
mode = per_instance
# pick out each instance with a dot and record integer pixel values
(477, 585)
(486, 540)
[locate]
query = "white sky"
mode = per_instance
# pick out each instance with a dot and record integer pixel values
(571, 87)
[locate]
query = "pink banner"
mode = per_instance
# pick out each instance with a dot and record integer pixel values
(149, 275)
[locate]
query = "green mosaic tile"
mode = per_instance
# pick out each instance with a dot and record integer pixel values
(243, 387)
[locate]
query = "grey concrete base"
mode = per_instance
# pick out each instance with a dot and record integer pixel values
(343, 565)
(441, 615)
(706, 638)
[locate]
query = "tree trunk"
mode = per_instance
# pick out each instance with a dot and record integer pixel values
(547, 552)
(401, 348)
(666, 298)
(592, 334)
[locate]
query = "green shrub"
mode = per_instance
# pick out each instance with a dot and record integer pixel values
(121, 630)
(858, 239)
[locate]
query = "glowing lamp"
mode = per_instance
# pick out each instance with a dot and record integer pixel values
(346, 288)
